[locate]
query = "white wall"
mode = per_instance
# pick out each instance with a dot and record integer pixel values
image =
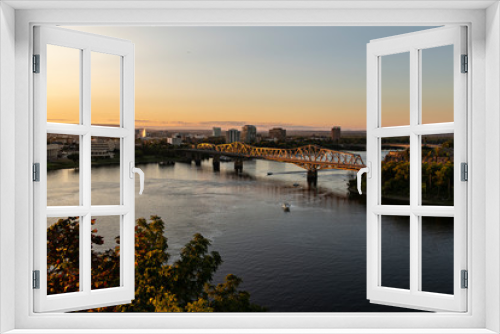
(483, 154)
(492, 163)
(7, 160)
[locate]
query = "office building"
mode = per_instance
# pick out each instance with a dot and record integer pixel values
(248, 134)
(277, 134)
(232, 135)
(335, 133)
(216, 132)
(174, 141)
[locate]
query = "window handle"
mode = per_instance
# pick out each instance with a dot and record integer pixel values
(366, 170)
(141, 176)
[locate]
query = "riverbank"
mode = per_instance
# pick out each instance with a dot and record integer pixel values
(352, 187)
(69, 164)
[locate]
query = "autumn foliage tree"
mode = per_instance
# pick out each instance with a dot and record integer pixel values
(182, 286)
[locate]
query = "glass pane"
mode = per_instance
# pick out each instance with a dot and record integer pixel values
(395, 171)
(63, 84)
(63, 173)
(63, 255)
(105, 252)
(437, 170)
(105, 173)
(395, 89)
(396, 252)
(437, 84)
(105, 91)
(437, 254)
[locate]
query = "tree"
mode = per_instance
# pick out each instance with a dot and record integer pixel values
(75, 157)
(226, 297)
(183, 286)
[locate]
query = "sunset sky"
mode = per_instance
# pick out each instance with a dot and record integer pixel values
(308, 78)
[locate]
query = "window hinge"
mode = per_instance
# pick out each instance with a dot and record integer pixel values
(464, 171)
(36, 172)
(36, 63)
(465, 279)
(465, 64)
(36, 279)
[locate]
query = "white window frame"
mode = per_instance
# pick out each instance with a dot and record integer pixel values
(414, 44)
(484, 50)
(87, 45)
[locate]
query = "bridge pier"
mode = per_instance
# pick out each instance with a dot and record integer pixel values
(312, 177)
(216, 163)
(238, 165)
(197, 160)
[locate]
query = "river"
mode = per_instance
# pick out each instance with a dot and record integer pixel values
(311, 259)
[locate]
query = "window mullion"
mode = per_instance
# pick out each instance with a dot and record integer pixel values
(414, 163)
(86, 182)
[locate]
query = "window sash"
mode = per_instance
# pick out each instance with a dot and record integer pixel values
(85, 298)
(413, 43)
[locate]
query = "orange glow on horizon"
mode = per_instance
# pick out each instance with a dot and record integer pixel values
(191, 87)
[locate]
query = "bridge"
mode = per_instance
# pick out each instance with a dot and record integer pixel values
(310, 157)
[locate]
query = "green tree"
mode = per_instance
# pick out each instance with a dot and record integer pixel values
(75, 157)
(183, 286)
(226, 297)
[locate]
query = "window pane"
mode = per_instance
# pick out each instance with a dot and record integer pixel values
(105, 252)
(63, 255)
(395, 170)
(63, 84)
(105, 176)
(105, 91)
(395, 89)
(437, 254)
(437, 84)
(396, 252)
(437, 170)
(63, 173)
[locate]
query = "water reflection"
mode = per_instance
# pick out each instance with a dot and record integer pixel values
(311, 259)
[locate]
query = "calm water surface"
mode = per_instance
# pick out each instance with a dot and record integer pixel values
(311, 259)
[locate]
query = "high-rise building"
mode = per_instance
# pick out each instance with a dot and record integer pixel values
(216, 132)
(336, 132)
(232, 135)
(248, 134)
(277, 134)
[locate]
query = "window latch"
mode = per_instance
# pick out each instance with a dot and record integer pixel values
(133, 170)
(368, 171)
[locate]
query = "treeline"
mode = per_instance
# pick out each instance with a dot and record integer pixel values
(157, 151)
(183, 286)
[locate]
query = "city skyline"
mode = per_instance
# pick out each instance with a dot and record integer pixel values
(298, 78)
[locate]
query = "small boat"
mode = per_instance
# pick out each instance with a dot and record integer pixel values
(166, 163)
(269, 173)
(286, 207)
(295, 184)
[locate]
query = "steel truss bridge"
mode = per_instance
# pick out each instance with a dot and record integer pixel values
(310, 157)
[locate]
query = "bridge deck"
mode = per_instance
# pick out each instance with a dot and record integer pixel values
(309, 157)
